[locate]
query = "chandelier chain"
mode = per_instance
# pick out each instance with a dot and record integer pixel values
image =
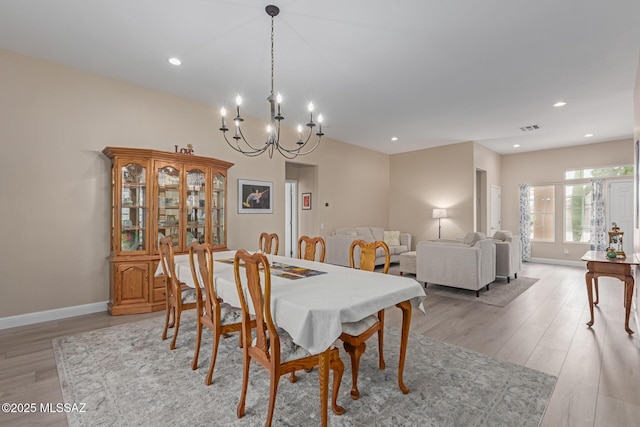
(272, 56)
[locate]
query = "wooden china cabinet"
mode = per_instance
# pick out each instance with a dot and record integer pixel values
(157, 194)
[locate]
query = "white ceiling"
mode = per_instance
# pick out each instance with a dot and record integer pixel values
(430, 72)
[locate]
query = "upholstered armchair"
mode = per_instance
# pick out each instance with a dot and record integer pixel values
(467, 264)
(508, 254)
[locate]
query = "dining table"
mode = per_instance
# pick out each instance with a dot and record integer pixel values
(311, 300)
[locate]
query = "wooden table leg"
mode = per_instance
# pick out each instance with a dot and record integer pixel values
(405, 306)
(323, 368)
(589, 279)
(628, 295)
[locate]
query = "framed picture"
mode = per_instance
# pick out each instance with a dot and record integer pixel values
(255, 196)
(306, 201)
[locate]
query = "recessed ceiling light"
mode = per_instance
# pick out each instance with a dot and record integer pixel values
(174, 61)
(560, 104)
(394, 138)
(588, 135)
(516, 145)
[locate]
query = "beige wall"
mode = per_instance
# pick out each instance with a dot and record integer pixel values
(440, 177)
(54, 181)
(490, 163)
(548, 167)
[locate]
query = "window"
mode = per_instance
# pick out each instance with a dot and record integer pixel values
(542, 207)
(577, 212)
(599, 172)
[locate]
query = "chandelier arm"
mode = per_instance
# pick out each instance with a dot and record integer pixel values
(261, 150)
(236, 147)
(253, 153)
(286, 154)
(298, 150)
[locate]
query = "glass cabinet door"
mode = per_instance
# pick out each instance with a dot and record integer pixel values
(196, 209)
(218, 209)
(169, 204)
(133, 207)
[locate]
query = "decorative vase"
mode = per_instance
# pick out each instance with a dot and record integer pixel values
(611, 253)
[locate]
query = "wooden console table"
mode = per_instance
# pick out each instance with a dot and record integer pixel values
(598, 265)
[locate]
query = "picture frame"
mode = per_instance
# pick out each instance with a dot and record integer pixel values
(306, 201)
(255, 196)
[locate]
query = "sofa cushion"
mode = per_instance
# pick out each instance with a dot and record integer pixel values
(471, 238)
(378, 233)
(397, 249)
(391, 238)
(365, 234)
(346, 231)
(503, 235)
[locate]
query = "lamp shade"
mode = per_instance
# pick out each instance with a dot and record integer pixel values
(439, 213)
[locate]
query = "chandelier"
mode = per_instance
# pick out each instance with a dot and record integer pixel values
(273, 129)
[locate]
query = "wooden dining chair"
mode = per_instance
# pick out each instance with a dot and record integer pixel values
(310, 246)
(355, 334)
(269, 243)
(272, 347)
(179, 297)
(214, 313)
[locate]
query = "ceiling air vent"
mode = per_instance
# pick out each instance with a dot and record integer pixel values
(529, 128)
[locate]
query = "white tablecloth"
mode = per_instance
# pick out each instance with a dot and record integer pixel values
(312, 309)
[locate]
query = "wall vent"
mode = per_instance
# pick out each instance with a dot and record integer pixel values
(529, 128)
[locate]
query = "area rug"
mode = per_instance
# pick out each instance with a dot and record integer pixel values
(500, 292)
(126, 375)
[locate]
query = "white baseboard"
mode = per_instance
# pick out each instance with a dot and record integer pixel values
(559, 262)
(55, 314)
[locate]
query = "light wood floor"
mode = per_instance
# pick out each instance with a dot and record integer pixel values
(598, 369)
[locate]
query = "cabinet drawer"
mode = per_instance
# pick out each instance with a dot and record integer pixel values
(158, 294)
(158, 282)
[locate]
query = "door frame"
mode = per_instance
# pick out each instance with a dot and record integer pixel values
(291, 218)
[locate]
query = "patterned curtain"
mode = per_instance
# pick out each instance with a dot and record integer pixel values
(525, 222)
(598, 228)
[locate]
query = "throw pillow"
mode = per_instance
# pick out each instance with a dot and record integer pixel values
(502, 235)
(471, 238)
(392, 238)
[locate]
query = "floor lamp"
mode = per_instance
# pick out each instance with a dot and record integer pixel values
(439, 213)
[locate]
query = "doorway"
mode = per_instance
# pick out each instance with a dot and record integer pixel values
(481, 201)
(495, 210)
(291, 218)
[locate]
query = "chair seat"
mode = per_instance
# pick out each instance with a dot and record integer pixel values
(356, 328)
(188, 295)
(229, 314)
(289, 350)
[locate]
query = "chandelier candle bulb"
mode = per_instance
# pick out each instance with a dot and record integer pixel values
(223, 113)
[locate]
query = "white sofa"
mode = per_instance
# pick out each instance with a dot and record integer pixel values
(467, 264)
(508, 254)
(339, 242)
